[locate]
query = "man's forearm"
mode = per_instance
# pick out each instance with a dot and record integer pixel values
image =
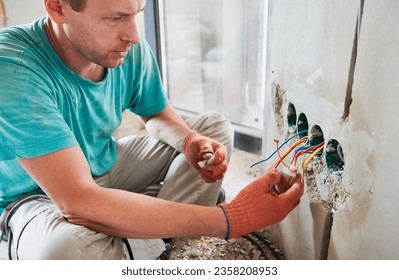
(169, 127)
(140, 216)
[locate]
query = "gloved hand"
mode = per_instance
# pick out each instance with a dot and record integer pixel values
(198, 148)
(258, 205)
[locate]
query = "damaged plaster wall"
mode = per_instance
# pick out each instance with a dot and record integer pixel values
(309, 52)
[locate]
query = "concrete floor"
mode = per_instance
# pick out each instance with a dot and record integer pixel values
(238, 175)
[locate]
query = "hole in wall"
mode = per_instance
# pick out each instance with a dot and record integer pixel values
(291, 118)
(302, 124)
(316, 135)
(334, 157)
(323, 174)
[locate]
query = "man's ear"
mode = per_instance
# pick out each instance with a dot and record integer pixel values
(55, 10)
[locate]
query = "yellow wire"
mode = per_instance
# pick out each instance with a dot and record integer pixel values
(306, 162)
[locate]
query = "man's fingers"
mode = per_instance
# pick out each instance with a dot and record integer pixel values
(294, 193)
(272, 177)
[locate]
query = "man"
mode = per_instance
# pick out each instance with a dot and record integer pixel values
(66, 80)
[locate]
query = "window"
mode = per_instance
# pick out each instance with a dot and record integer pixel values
(214, 57)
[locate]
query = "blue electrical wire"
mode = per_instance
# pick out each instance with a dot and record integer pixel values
(302, 148)
(285, 142)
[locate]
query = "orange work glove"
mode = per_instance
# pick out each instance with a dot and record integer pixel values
(258, 205)
(198, 148)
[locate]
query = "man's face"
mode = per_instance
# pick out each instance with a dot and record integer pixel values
(104, 31)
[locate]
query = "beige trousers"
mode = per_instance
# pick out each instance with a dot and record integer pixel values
(144, 165)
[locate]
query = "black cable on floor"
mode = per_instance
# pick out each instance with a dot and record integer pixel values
(256, 243)
(166, 254)
(129, 249)
(267, 243)
(264, 241)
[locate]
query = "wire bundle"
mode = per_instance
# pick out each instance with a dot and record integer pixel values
(299, 150)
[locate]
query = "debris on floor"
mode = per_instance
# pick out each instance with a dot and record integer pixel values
(254, 246)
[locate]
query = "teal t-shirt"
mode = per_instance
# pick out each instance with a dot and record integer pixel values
(45, 106)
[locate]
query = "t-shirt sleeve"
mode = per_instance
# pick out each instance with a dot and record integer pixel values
(148, 96)
(31, 123)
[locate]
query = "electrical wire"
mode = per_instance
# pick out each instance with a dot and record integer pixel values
(305, 164)
(307, 150)
(263, 244)
(267, 243)
(298, 152)
(256, 243)
(285, 142)
(297, 143)
(129, 249)
(279, 155)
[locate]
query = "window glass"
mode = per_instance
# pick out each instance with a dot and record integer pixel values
(215, 57)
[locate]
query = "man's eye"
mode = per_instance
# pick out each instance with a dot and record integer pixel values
(115, 19)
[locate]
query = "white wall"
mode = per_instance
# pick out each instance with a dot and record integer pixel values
(310, 44)
(23, 11)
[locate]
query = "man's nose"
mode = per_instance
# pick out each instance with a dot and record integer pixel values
(130, 32)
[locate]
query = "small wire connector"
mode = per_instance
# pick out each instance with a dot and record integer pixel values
(288, 177)
(208, 159)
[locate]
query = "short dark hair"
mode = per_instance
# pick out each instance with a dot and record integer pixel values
(76, 5)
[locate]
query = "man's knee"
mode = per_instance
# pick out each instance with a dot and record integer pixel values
(48, 236)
